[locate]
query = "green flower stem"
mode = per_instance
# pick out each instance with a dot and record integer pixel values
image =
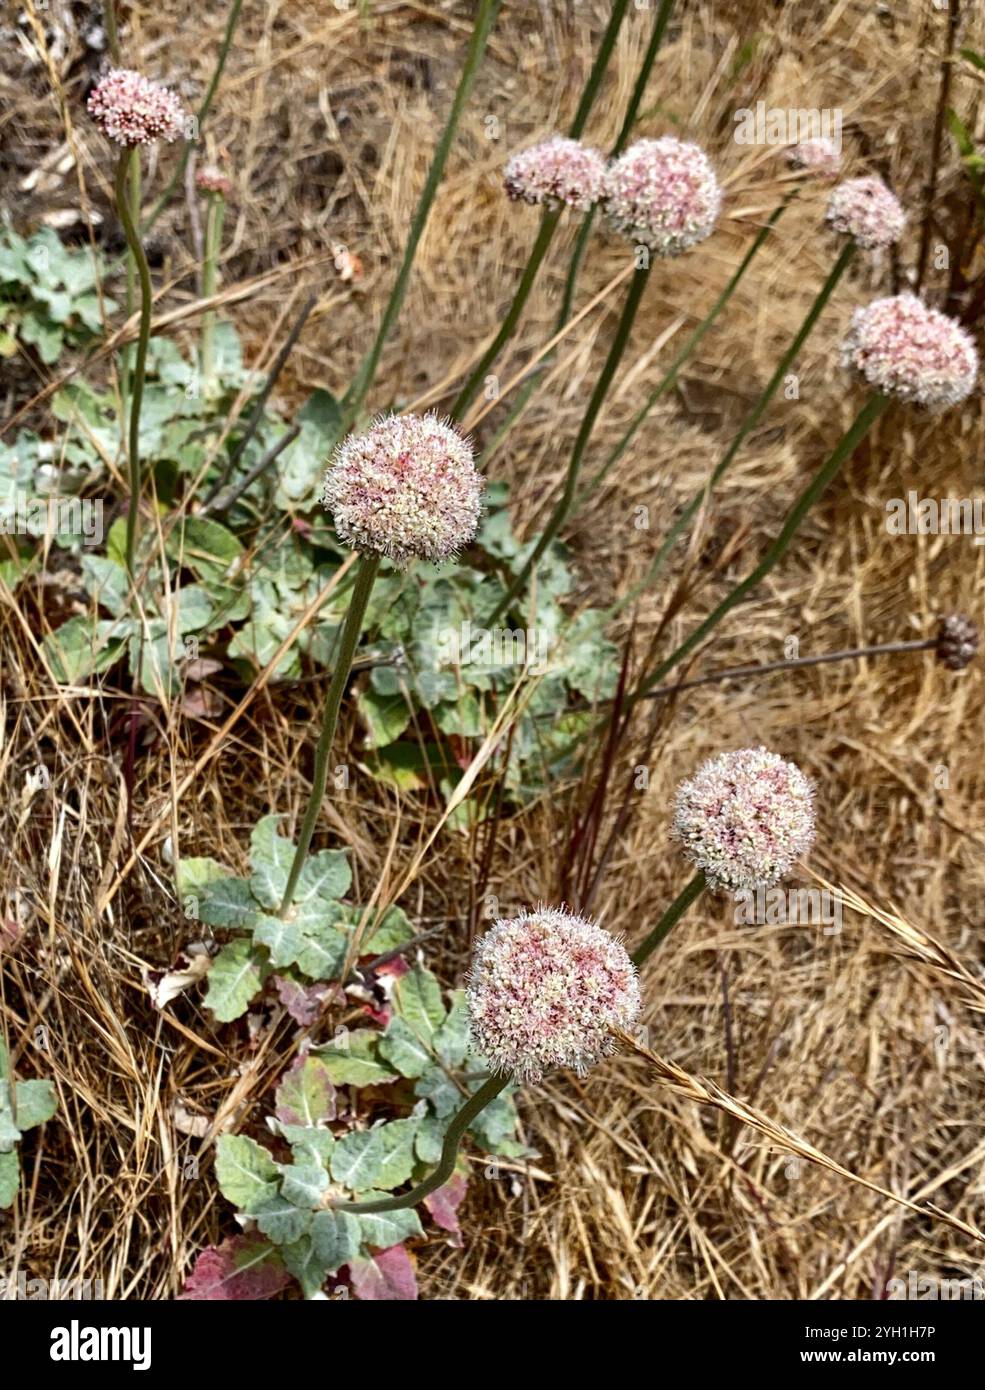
(146, 303)
(475, 1104)
(368, 566)
(670, 377)
(200, 115)
(749, 423)
(846, 446)
(484, 21)
(563, 506)
(126, 352)
(468, 392)
(673, 915)
(210, 268)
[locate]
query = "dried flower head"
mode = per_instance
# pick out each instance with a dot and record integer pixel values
(545, 990)
(663, 193)
(957, 641)
(820, 156)
(905, 349)
(407, 489)
(556, 171)
(867, 211)
(210, 179)
(132, 110)
(744, 818)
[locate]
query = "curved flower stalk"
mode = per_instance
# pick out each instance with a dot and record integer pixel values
(908, 352)
(743, 820)
(551, 216)
(132, 111)
(216, 188)
(406, 490)
(547, 990)
(664, 194)
(875, 218)
(820, 163)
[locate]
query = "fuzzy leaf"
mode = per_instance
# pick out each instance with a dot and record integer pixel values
(304, 1183)
(243, 1267)
(282, 1221)
(376, 1158)
(271, 856)
(10, 1176)
(451, 1039)
(246, 1174)
(403, 1048)
(235, 977)
(326, 874)
(382, 1229)
(417, 998)
(35, 1102)
(331, 1242)
(306, 1095)
(357, 1063)
(443, 1205)
(387, 1277)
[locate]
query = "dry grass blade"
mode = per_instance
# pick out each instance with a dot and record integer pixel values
(705, 1092)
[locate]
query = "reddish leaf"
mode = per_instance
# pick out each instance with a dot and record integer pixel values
(386, 1277)
(443, 1205)
(243, 1267)
(303, 1002)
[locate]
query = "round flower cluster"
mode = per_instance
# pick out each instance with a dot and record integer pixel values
(212, 180)
(132, 110)
(663, 193)
(867, 211)
(545, 990)
(407, 489)
(744, 818)
(557, 171)
(820, 156)
(903, 348)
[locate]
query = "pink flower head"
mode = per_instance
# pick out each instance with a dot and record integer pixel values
(408, 489)
(866, 210)
(132, 110)
(212, 180)
(557, 171)
(905, 349)
(744, 818)
(545, 990)
(820, 156)
(663, 193)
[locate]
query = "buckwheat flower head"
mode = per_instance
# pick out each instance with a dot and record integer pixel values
(132, 110)
(212, 180)
(544, 991)
(867, 211)
(663, 193)
(556, 171)
(744, 818)
(819, 156)
(407, 489)
(905, 349)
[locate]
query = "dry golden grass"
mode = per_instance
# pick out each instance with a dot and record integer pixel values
(866, 1043)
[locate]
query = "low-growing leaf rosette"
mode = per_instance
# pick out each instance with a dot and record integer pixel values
(327, 1151)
